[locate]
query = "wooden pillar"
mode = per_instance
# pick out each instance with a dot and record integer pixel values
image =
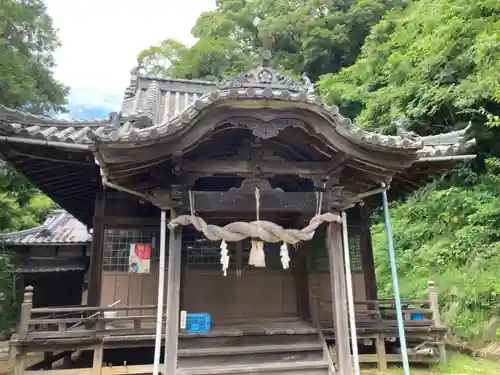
(339, 298)
(97, 360)
(96, 254)
(67, 361)
(173, 298)
(48, 357)
(381, 353)
(301, 279)
(19, 362)
(436, 316)
(22, 330)
(367, 260)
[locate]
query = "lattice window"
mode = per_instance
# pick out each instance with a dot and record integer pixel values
(117, 247)
(355, 251)
(318, 259)
(202, 253)
(205, 254)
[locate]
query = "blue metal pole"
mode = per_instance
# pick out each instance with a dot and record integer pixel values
(392, 258)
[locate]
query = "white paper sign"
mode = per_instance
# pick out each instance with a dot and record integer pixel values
(140, 258)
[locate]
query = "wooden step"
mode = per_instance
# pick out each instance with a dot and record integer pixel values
(247, 350)
(247, 340)
(250, 349)
(263, 358)
(296, 368)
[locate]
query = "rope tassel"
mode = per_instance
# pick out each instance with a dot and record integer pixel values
(257, 256)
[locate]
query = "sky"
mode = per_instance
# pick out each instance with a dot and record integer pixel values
(102, 38)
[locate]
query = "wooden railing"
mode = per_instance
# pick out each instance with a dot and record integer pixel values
(377, 321)
(81, 321)
(382, 313)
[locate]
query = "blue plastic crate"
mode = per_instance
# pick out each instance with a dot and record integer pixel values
(416, 316)
(198, 323)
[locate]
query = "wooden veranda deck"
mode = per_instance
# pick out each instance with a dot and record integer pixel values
(60, 332)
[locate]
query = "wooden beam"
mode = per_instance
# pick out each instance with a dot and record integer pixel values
(233, 201)
(339, 298)
(173, 298)
(249, 166)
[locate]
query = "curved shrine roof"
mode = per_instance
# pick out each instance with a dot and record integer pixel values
(156, 108)
(59, 156)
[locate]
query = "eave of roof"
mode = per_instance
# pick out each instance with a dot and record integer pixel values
(76, 267)
(60, 228)
(140, 120)
(157, 109)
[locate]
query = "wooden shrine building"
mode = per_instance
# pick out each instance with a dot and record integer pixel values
(54, 253)
(261, 150)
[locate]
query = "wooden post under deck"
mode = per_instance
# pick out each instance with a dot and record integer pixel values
(22, 329)
(436, 316)
(339, 298)
(173, 298)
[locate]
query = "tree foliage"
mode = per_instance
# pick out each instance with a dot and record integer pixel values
(307, 36)
(435, 61)
(21, 205)
(27, 43)
(449, 234)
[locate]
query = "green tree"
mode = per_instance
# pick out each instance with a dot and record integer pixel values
(450, 234)
(27, 43)
(307, 36)
(435, 61)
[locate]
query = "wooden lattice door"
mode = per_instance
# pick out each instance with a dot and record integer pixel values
(245, 294)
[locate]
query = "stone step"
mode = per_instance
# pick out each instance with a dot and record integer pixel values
(295, 368)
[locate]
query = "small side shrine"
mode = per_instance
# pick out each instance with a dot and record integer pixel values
(246, 201)
(53, 253)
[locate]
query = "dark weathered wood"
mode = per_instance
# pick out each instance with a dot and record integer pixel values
(339, 298)
(96, 255)
(49, 360)
(276, 201)
(173, 298)
(301, 278)
(248, 166)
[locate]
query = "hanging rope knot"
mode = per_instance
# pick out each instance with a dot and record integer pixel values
(262, 230)
(259, 231)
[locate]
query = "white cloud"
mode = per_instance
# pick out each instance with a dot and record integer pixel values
(101, 40)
